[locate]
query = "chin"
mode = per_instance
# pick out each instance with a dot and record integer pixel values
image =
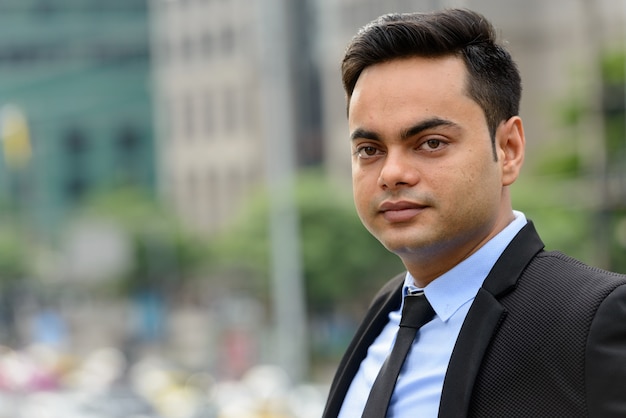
(412, 243)
(400, 247)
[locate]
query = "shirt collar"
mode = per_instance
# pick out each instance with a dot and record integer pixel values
(453, 289)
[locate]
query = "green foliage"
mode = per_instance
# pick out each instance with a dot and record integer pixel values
(618, 251)
(563, 227)
(558, 160)
(13, 253)
(559, 192)
(571, 111)
(341, 258)
(343, 264)
(164, 252)
(612, 67)
(14, 248)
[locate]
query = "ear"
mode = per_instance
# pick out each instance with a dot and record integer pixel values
(511, 145)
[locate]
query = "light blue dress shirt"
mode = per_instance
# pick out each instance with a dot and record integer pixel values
(419, 385)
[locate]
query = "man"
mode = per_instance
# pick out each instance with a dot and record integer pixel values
(437, 141)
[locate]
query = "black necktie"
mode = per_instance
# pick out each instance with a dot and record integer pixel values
(415, 313)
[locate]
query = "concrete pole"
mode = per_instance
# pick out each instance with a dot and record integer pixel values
(621, 172)
(596, 151)
(290, 343)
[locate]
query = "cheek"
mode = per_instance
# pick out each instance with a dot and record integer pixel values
(361, 180)
(357, 189)
(360, 194)
(363, 194)
(460, 185)
(481, 184)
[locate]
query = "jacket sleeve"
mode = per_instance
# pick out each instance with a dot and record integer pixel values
(606, 358)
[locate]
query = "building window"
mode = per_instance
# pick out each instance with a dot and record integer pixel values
(192, 194)
(187, 49)
(229, 110)
(127, 149)
(249, 110)
(189, 116)
(166, 120)
(213, 197)
(209, 114)
(206, 41)
(227, 40)
(128, 140)
(75, 143)
(75, 148)
(163, 52)
(76, 187)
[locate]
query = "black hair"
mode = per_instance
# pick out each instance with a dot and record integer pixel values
(493, 78)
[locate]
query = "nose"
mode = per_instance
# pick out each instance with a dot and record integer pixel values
(398, 171)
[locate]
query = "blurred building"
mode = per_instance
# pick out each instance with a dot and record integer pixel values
(208, 86)
(77, 72)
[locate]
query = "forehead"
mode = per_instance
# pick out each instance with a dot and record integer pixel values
(405, 75)
(411, 86)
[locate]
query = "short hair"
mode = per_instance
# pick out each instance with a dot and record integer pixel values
(493, 78)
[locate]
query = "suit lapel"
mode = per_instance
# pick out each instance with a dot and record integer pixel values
(480, 324)
(483, 321)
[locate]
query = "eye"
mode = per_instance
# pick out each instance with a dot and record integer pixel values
(432, 144)
(367, 151)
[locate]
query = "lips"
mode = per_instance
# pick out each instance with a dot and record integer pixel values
(400, 211)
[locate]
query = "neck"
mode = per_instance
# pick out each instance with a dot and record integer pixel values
(428, 264)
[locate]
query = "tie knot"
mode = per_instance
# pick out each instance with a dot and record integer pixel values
(416, 311)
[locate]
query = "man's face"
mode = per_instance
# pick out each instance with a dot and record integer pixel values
(425, 180)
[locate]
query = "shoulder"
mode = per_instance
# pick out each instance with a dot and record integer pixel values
(556, 286)
(605, 365)
(566, 271)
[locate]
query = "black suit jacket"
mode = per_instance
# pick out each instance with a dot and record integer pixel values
(545, 337)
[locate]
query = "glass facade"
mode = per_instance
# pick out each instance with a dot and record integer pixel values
(79, 73)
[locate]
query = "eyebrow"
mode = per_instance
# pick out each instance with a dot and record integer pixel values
(416, 129)
(426, 125)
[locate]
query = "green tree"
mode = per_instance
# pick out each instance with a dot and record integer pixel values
(13, 254)
(164, 252)
(559, 187)
(15, 266)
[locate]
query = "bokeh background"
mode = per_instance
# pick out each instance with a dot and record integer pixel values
(177, 235)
